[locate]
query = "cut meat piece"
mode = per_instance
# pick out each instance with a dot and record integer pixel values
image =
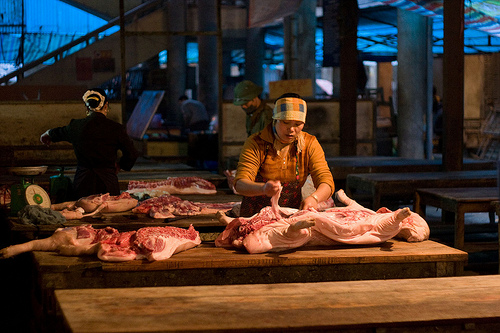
(214, 208)
(277, 228)
(152, 243)
(158, 243)
(172, 185)
(166, 206)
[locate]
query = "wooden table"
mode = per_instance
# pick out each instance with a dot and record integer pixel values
(402, 186)
(457, 201)
(208, 265)
(342, 166)
(449, 304)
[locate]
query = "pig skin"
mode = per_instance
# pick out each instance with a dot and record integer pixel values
(93, 204)
(280, 228)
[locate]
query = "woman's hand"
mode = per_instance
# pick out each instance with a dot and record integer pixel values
(309, 202)
(271, 187)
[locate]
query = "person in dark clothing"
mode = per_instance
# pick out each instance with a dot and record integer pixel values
(437, 112)
(194, 113)
(96, 141)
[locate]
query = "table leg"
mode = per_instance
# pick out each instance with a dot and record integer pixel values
(419, 207)
(376, 199)
(459, 229)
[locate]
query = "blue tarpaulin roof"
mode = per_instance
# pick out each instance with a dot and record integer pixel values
(50, 24)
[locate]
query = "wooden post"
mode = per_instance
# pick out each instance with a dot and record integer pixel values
(453, 87)
(348, 22)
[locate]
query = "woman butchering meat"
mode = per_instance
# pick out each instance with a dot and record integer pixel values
(96, 141)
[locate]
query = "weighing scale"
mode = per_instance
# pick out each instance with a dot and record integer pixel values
(27, 193)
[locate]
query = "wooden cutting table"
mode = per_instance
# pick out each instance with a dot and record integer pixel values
(457, 201)
(450, 304)
(208, 265)
(402, 186)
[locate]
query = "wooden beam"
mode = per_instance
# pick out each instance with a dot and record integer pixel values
(348, 22)
(453, 87)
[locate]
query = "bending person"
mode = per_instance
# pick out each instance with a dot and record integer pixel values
(282, 156)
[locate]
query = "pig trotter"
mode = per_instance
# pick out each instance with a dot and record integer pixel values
(223, 218)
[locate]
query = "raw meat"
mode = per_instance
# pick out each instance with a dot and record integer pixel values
(75, 240)
(158, 243)
(172, 185)
(166, 206)
(93, 204)
(278, 228)
(307, 189)
(152, 243)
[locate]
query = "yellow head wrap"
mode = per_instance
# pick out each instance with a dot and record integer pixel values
(290, 108)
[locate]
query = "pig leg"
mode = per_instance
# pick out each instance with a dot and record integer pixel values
(294, 229)
(223, 218)
(52, 243)
(393, 223)
(69, 205)
(73, 214)
(98, 209)
(352, 204)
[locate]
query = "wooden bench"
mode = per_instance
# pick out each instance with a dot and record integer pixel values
(457, 201)
(208, 265)
(496, 206)
(402, 186)
(342, 166)
(450, 304)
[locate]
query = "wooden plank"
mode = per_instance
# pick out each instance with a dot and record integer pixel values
(342, 166)
(143, 113)
(471, 300)
(404, 185)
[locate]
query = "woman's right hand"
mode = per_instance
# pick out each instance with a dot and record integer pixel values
(271, 187)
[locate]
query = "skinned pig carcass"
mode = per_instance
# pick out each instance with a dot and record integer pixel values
(151, 243)
(277, 228)
(94, 204)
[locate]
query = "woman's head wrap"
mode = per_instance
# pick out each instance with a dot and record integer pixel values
(290, 107)
(95, 99)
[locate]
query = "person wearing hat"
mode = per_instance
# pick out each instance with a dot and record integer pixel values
(258, 113)
(282, 155)
(96, 141)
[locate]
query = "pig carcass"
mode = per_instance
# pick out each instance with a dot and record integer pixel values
(151, 243)
(171, 185)
(93, 204)
(277, 228)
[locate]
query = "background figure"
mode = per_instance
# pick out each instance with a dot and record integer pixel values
(437, 112)
(96, 141)
(258, 113)
(194, 113)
